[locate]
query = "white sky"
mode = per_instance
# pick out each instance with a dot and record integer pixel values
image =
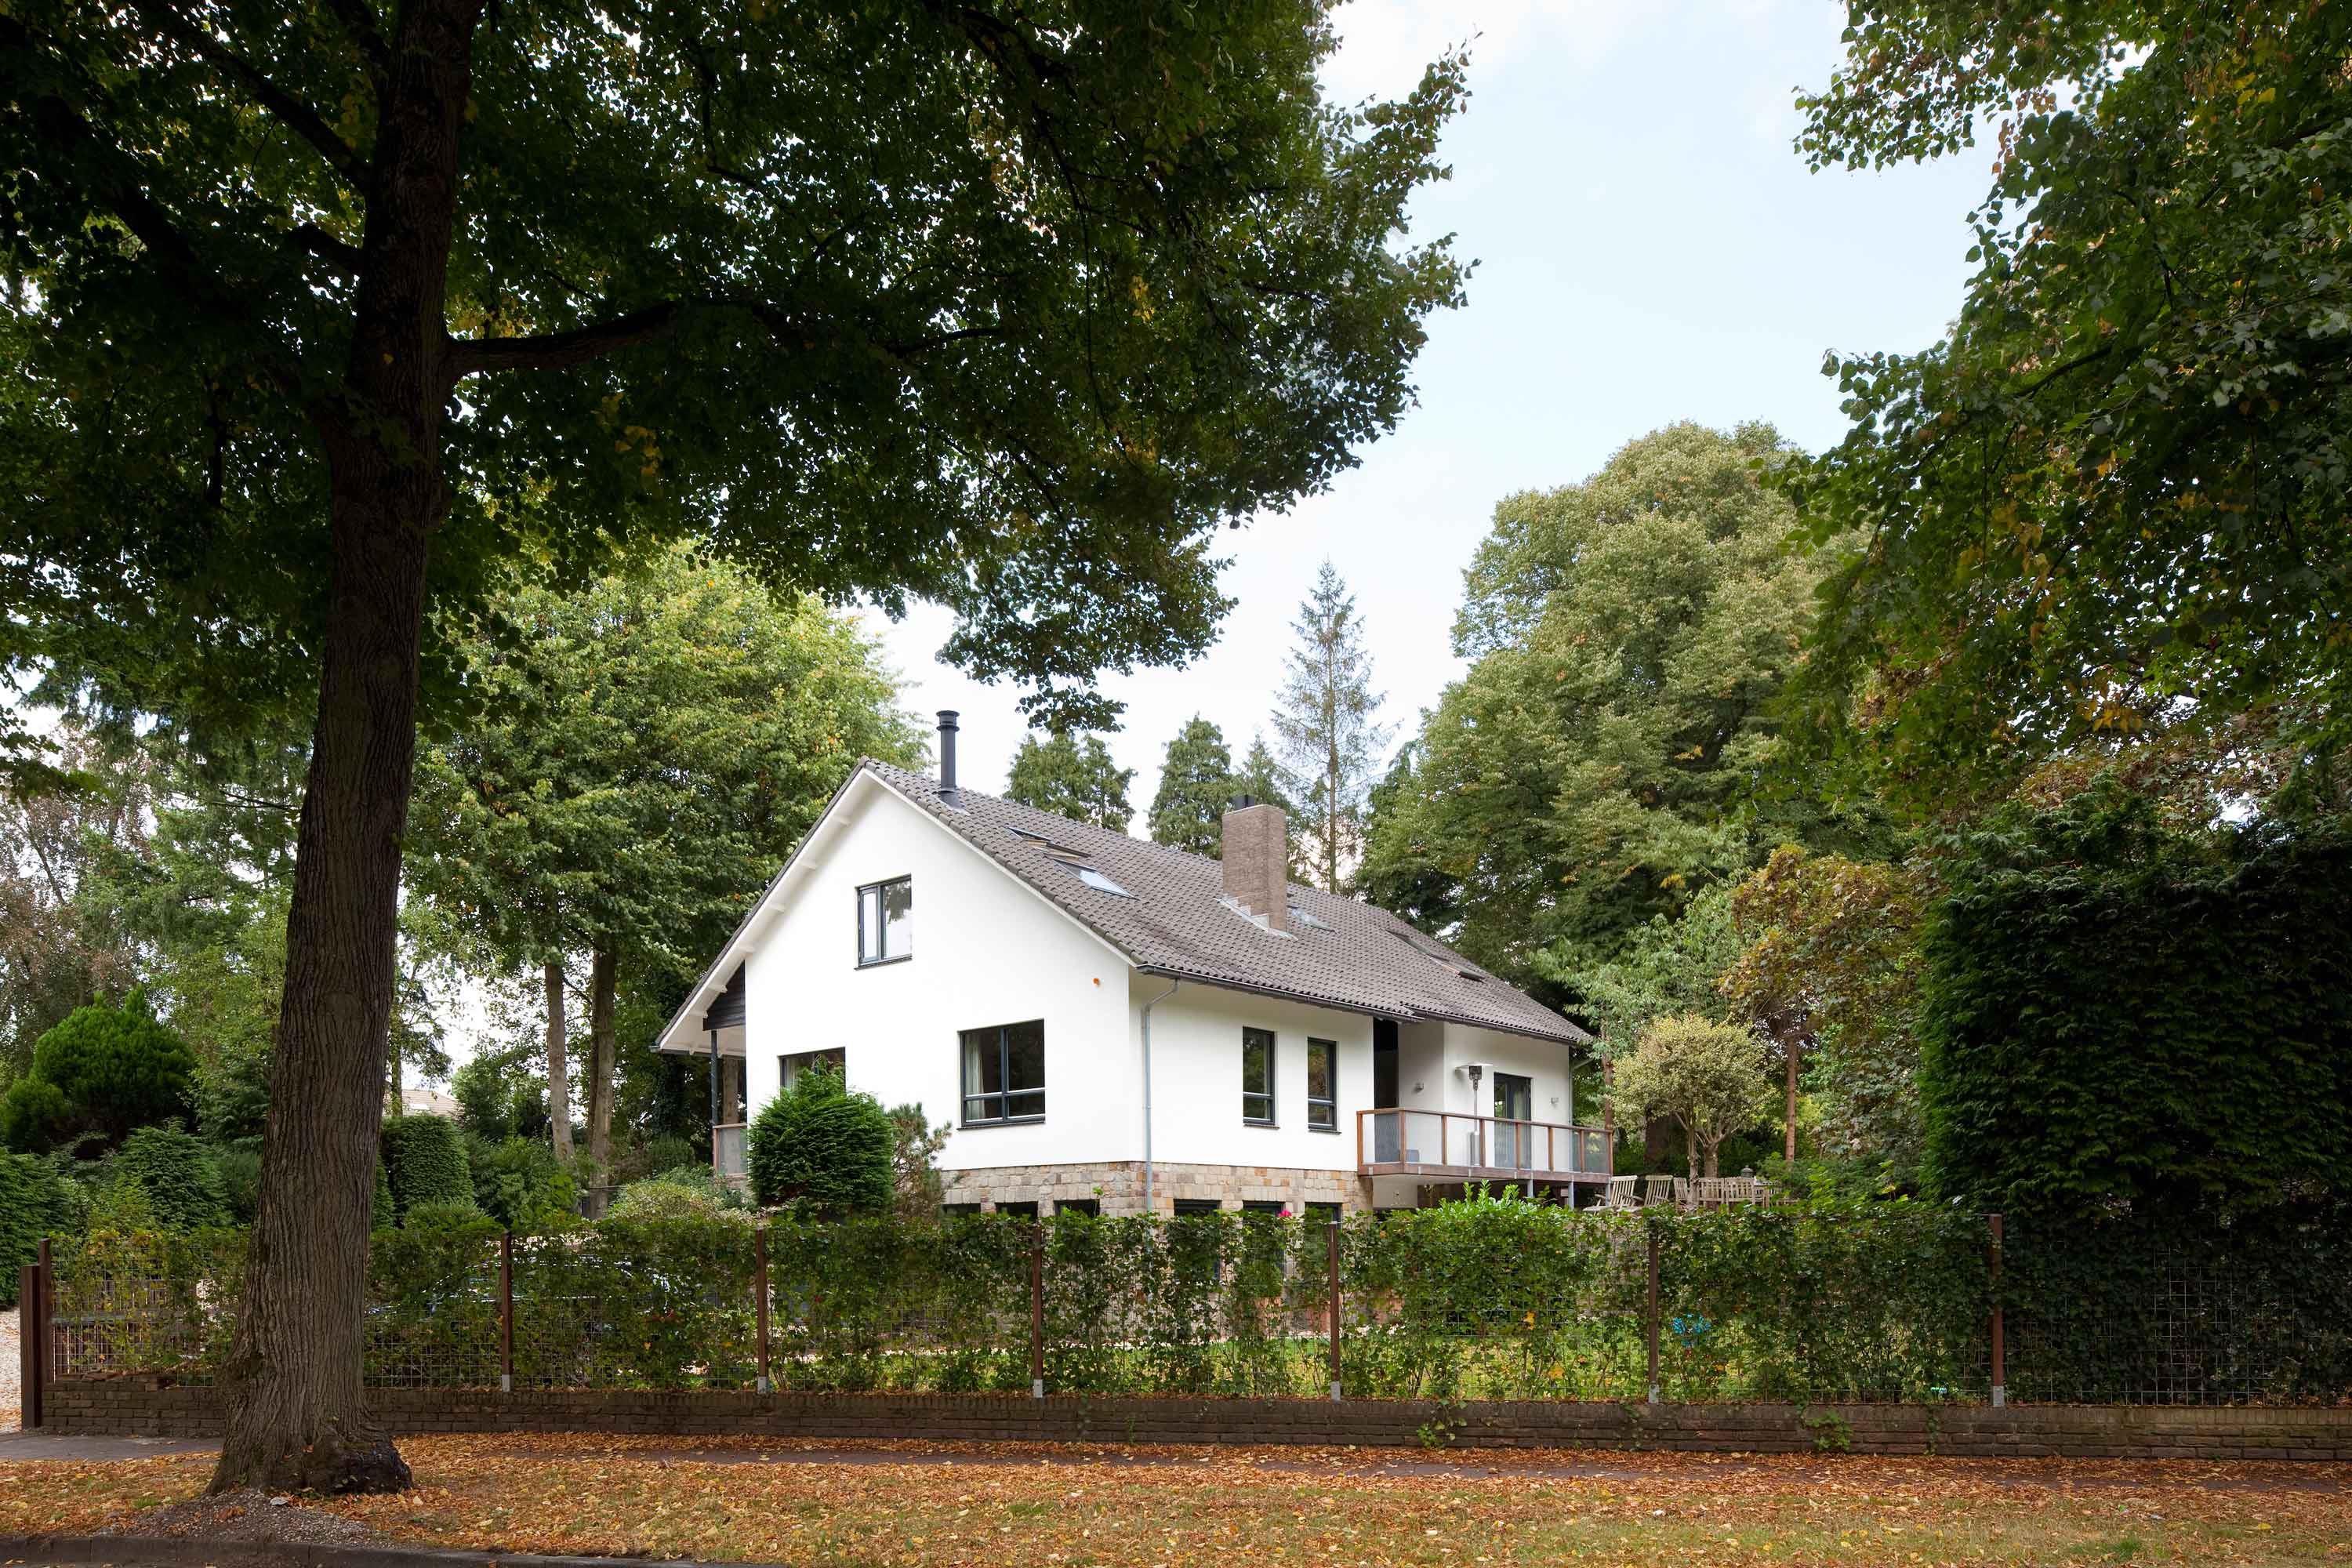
(1650, 249)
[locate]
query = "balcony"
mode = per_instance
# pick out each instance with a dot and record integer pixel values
(1455, 1146)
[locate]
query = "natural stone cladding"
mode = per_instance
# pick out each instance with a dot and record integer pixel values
(139, 1406)
(1118, 1185)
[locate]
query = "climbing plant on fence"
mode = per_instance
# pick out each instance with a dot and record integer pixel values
(1485, 1299)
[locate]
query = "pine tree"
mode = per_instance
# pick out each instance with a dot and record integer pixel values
(1324, 720)
(1196, 784)
(1072, 776)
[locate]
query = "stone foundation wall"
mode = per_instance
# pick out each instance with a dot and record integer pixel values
(1118, 1185)
(134, 1406)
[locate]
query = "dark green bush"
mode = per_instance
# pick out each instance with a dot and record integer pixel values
(2117, 1014)
(424, 1158)
(823, 1145)
(183, 1184)
(103, 1069)
(517, 1182)
(33, 1203)
(239, 1165)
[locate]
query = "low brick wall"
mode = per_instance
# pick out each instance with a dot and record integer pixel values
(135, 1407)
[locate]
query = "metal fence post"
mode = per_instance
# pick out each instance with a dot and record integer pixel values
(1037, 1310)
(760, 1284)
(1999, 1356)
(506, 1311)
(1333, 1237)
(1652, 1231)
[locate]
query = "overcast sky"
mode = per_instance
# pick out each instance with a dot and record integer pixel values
(1650, 249)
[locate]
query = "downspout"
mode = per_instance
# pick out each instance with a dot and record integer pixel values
(1146, 1090)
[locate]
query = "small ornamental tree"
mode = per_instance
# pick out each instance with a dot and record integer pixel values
(822, 1145)
(1707, 1077)
(183, 1184)
(33, 1204)
(428, 1161)
(104, 1069)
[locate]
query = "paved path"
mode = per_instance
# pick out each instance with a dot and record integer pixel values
(14, 1446)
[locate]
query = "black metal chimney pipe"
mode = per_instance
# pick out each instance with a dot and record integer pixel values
(946, 751)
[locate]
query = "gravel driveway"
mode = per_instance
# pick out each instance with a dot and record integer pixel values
(10, 1366)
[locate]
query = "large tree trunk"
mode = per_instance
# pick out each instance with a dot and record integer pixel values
(297, 1415)
(559, 1070)
(602, 984)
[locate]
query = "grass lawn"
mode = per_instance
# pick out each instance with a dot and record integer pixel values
(1007, 1507)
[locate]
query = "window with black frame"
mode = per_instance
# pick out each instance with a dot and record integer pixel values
(1004, 1073)
(1323, 1086)
(1257, 1077)
(885, 921)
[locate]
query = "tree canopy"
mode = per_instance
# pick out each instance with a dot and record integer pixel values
(1073, 776)
(1330, 742)
(2112, 499)
(1605, 758)
(1196, 786)
(1706, 1076)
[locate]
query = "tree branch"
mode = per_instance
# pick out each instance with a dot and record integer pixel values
(359, 20)
(290, 111)
(560, 351)
(341, 255)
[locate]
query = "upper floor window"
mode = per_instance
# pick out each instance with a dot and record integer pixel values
(886, 920)
(1004, 1073)
(1257, 1077)
(1323, 1086)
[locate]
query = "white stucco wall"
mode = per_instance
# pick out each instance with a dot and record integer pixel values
(987, 951)
(1196, 1078)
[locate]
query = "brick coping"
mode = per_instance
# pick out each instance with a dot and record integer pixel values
(144, 1406)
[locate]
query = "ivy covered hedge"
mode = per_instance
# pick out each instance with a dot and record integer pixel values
(1486, 1300)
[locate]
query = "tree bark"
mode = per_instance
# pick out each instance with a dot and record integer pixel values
(1793, 1053)
(297, 1415)
(559, 1068)
(601, 988)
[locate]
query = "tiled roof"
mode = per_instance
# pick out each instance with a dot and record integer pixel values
(1168, 916)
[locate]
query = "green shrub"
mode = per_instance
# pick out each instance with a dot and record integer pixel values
(2115, 1013)
(239, 1165)
(518, 1183)
(687, 1193)
(441, 1214)
(823, 1145)
(123, 1207)
(183, 1184)
(671, 1152)
(33, 1203)
(103, 1069)
(426, 1160)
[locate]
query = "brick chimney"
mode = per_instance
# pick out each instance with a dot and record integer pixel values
(1257, 861)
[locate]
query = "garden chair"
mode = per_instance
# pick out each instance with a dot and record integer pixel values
(1621, 1193)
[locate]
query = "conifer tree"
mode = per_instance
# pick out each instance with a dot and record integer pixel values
(1196, 786)
(1324, 718)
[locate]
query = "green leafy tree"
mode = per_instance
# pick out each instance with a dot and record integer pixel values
(647, 752)
(105, 1070)
(820, 1144)
(177, 1170)
(1604, 759)
(425, 1156)
(1706, 1076)
(1330, 743)
(1072, 776)
(1196, 786)
(1665, 967)
(916, 1141)
(1829, 963)
(518, 1183)
(2111, 500)
(1001, 309)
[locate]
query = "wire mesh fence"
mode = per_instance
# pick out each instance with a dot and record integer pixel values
(1479, 1300)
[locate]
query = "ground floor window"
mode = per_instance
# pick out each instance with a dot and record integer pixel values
(959, 1211)
(1323, 1085)
(1019, 1211)
(1265, 1206)
(791, 1068)
(1004, 1073)
(1077, 1206)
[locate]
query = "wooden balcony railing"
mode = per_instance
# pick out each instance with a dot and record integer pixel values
(1459, 1145)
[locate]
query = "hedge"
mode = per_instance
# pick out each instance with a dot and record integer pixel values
(2117, 1016)
(33, 1204)
(176, 1169)
(424, 1158)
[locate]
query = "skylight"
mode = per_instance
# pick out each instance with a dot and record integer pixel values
(1100, 883)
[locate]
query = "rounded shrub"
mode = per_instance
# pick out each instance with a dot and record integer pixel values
(425, 1157)
(518, 1183)
(823, 1145)
(685, 1193)
(184, 1187)
(108, 1069)
(33, 1203)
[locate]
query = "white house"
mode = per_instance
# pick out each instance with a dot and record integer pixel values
(1112, 1024)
